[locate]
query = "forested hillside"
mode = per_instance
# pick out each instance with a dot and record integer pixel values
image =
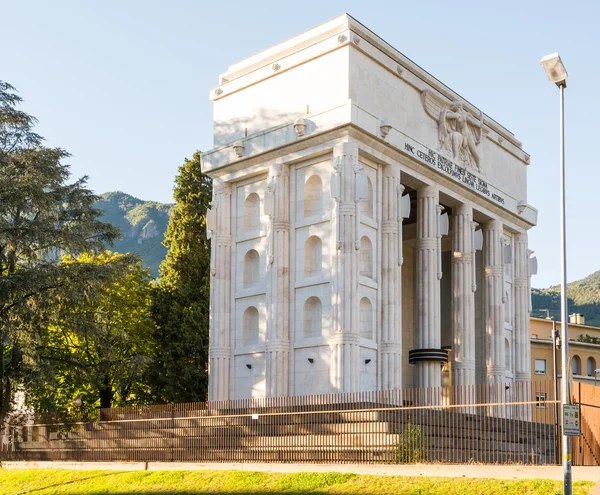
(584, 297)
(142, 225)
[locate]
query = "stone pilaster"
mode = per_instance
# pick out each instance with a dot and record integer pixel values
(521, 285)
(428, 338)
(220, 295)
(391, 280)
(345, 339)
(278, 308)
(492, 301)
(463, 298)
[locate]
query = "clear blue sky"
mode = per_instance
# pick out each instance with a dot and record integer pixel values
(123, 85)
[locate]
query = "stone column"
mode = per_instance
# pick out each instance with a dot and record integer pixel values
(278, 340)
(521, 285)
(463, 297)
(391, 280)
(428, 330)
(345, 338)
(220, 295)
(492, 301)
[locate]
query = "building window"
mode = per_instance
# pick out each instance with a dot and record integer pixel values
(576, 365)
(251, 268)
(507, 355)
(367, 203)
(591, 366)
(250, 326)
(540, 366)
(366, 257)
(366, 319)
(251, 213)
(313, 319)
(313, 196)
(313, 253)
(540, 399)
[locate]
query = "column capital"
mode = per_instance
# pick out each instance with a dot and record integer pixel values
(279, 169)
(392, 170)
(463, 209)
(428, 191)
(220, 186)
(521, 237)
(494, 224)
(347, 148)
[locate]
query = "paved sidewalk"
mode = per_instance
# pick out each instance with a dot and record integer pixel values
(580, 473)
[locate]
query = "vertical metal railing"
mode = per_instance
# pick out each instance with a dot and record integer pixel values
(475, 423)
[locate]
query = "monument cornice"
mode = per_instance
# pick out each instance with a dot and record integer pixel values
(379, 151)
(341, 32)
(322, 143)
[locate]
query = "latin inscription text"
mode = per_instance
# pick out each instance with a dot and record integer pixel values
(460, 174)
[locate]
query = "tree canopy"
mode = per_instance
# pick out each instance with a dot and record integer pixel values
(181, 300)
(97, 349)
(43, 216)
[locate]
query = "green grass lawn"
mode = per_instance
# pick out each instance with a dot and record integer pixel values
(58, 481)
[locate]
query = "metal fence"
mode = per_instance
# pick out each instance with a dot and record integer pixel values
(586, 447)
(514, 423)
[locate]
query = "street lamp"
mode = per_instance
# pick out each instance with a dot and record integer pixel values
(557, 74)
(555, 345)
(596, 371)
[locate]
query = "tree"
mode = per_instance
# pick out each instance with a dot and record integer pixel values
(98, 348)
(181, 299)
(42, 217)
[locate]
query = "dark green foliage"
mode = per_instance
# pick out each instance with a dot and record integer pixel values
(142, 225)
(412, 445)
(588, 339)
(181, 299)
(42, 217)
(583, 297)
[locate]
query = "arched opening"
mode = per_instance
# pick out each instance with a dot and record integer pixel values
(313, 256)
(507, 355)
(313, 318)
(367, 203)
(576, 365)
(313, 196)
(250, 326)
(251, 212)
(366, 257)
(366, 319)
(591, 366)
(251, 268)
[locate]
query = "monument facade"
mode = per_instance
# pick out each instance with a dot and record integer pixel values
(368, 226)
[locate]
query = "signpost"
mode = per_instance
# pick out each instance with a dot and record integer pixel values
(571, 420)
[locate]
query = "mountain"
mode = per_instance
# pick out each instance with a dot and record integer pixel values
(142, 225)
(583, 295)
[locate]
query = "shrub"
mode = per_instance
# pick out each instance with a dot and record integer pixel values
(412, 446)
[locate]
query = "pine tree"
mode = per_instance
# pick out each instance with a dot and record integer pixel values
(42, 217)
(181, 299)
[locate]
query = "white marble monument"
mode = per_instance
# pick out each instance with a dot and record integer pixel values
(368, 224)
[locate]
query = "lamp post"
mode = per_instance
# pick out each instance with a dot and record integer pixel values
(555, 346)
(556, 72)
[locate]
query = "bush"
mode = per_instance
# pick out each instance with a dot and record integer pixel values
(412, 446)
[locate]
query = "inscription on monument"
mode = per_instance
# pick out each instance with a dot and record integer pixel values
(458, 173)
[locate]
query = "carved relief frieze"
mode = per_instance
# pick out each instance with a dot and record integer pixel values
(459, 132)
